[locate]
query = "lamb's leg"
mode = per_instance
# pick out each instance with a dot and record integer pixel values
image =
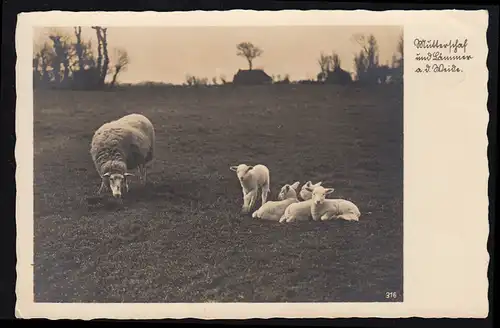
(327, 216)
(348, 217)
(265, 193)
(248, 202)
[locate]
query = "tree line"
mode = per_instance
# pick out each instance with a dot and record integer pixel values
(70, 62)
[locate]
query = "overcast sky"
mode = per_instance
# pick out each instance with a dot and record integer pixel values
(168, 54)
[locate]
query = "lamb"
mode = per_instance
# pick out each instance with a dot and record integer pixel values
(328, 209)
(300, 211)
(122, 145)
(251, 179)
(304, 193)
(273, 210)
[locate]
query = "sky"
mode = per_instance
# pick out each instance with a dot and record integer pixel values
(168, 54)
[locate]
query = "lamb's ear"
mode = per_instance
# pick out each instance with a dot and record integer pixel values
(308, 189)
(128, 174)
(106, 174)
(233, 168)
(307, 184)
(249, 168)
(295, 185)
(329, 191)
(318, 184)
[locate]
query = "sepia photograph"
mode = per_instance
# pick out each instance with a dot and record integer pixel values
(218, 164)
(239, 163)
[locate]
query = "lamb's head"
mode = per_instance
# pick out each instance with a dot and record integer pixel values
(242, 171)
(117, 182)
(288, 191)
(306, 194)
(319, 194)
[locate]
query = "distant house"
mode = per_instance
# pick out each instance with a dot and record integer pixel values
(338, 76)
(254, 76)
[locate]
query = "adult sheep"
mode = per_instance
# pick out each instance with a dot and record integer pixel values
(120, 146)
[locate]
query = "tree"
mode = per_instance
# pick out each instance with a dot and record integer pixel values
(249, 51)
(367, 61)
(122, 61)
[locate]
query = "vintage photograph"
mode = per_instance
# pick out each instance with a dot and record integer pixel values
(218, 164)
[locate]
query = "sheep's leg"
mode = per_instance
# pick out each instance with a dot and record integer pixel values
(103, 186)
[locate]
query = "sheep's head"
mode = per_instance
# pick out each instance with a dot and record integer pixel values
(306, 194)
(116, 182)
(241, 171)
(319, 194)
(288, 191)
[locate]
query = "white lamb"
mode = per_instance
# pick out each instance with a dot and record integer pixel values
(305, 194)
(300, 211)
(251, 179)
(122, 145)
(273, 210)
(328, 209)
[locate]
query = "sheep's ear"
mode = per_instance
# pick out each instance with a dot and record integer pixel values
(233, 168)
(295, 185)
(329, 191)
(249, 168)
(307, 184)
(128, 174)
(106, 174)
(318, 184)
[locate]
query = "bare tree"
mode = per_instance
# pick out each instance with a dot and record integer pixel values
(122, 60)
(249, 51)
(367, 61)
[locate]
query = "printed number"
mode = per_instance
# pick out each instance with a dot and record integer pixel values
(391, 295)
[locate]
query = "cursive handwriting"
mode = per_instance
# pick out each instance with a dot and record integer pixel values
(441, 51)
(453, 46)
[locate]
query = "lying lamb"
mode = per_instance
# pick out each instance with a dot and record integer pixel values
(300, 211)
(273, 210)
(328, 209)
(306, 194)
(251, 179)
(122, 145)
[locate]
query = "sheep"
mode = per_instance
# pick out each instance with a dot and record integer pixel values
(328, 209)
(251, 179)
(273, 210)
(119, 146)
(304, 193)
(300, 211)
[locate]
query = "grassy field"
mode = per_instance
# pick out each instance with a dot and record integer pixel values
(183, 239)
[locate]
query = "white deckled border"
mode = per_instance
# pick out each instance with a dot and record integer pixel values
(445, 171)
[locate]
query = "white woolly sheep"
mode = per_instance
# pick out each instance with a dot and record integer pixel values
(300, 211)
(306, 194)
(273, 210)
(328, 209)
(122, 145)
(252, 178)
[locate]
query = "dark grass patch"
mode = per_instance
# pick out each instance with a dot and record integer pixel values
(182, 238)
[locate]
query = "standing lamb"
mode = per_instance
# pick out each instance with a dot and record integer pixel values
(306, 194)
(251, 179)
(328, 209)
(273, 210)
(122, 145)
